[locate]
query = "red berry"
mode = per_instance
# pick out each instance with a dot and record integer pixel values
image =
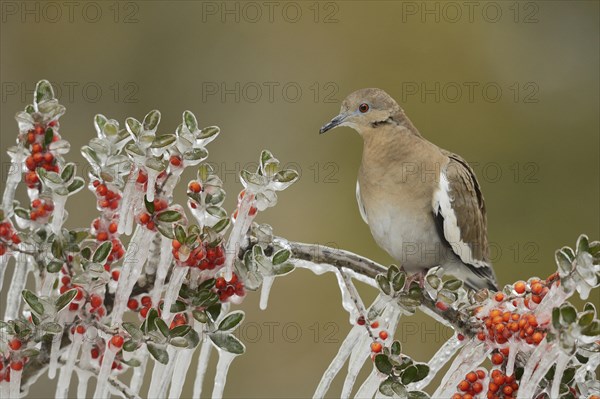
(112, 228)
(146, 301)
(195, 187)
(376, 347)
(176, 244)
(15, 344)
(132, 304)
(117, 341)
(383, 335)
(115, 275)
(95, 301)
(142, 177)
(80, 329)
(175, 160)
(360, 321)
(16, 365)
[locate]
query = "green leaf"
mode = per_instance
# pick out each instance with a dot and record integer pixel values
(158, 352)
(190, 121)
(391, 387)
(228, 343)
(417, 395)
(396, 348)
(231, 320)
(383, 364)
(583, 244)
(65, 299)
(76, 185)
(179, 342)
(169, 216)
(67, 172)
(200, 316)
(33, 302)
(563, 262)
(453, 285)
(409, 375)
(422, 371)
(43, 91)
(556, 318)
(165, 229)
(149, 205)
(282, 269)
(281, 256)
(214, 311)
(57, 248)
(163, 141)
(286, 176)
(568, 314)
(54, 266)
(130, 345)
(180, 233)
(51, 327)
(592, 329)
(156, 163)
(384, 284)
(162, 326)
(133, 126)
(180, 331)
(586, 318)
(133, 330)
(177, 307)
(398, 281)
(209, 131)
(151, 120)
(102, 252)
(48, 136)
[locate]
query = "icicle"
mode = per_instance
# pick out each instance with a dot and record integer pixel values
(561, 364)
(3, 266)
(438, 361)
(139, 372)
(167, 374)
(530, 387)
(17, 284)
(84, 362)
(125, 209)
(177, 279)
(59, 212)
(48, 283)
(265, 290)
(4, 389)
(64, 380)
(54, 352)
(225, 359)
(150, 189)
(472, 355)
(347, 297)
(104, 373)
(13, 179)
(166, 257)
(157, 371)
(338, 361)
(237, 234)
(180, 369)
(512, 356)
(15, 384)
(370, 386)
(531, 364)
(205, 350)
(359, 354)
(137, 253)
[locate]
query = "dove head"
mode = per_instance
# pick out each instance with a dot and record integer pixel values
(366, 109)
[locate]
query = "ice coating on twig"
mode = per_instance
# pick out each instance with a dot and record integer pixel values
(66, 371)
(225, 360)
(265, 290)
(17, 284)
(205, 350)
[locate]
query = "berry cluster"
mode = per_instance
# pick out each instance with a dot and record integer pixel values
(107, 230)
(41, 209)
(13, 361)
(106, 199)
(147, 219)
(376, 346)
(502, 324)
(146, 305)
(502, 386)
(7, 237)
(204, 256)
(227, 289)
(471, 386)
(40, 157)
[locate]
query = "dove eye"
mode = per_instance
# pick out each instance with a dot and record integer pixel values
(363, 107)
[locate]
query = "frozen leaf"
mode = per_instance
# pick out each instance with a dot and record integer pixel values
(33, 302)
(102, 252)
(190, 121)
(65, 299)
(163, 141)
(158, 352)
(209, 132)
(133, 330)
(383, 364)
(231, 320)
(228, 343)
(169, 216)
(77, 184)
(180, 331)
(151, 121)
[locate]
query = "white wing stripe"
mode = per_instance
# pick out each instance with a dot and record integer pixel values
(443, 202)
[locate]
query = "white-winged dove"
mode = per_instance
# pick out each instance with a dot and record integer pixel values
(422, 203)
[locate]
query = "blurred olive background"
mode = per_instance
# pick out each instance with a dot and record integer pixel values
(511, 86)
